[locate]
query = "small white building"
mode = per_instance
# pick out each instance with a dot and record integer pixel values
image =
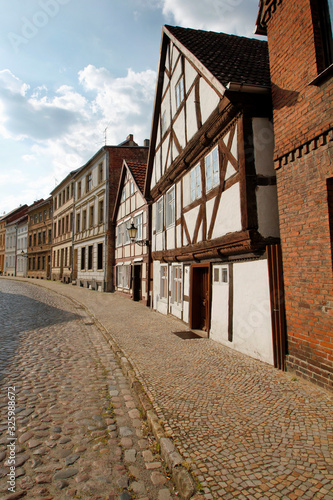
(22, 247)
(212, 183)
(132, 256)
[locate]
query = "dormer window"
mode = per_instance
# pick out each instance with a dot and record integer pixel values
(179, 92)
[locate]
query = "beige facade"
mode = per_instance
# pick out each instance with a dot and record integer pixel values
(62, 230)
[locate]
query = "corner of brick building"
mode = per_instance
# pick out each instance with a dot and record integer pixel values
(303, 160)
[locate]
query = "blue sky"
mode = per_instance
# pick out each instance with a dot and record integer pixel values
(71, 69)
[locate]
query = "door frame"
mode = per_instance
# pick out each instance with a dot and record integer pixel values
(209, 294)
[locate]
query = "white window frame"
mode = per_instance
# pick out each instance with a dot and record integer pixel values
(179, 90)
(170, 207)
(212, 169)
(164, 282)
(138, 223)
(159, 215)
(120, 235)
(126, 238)
(176, 284)
(196, 187)
(120, 276)
(126, 276)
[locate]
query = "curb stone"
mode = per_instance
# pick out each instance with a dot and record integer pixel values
(183, 480)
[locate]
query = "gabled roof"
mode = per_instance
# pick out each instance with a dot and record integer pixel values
(229, 58)
(138, 171)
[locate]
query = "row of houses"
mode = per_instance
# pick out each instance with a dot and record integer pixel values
(225, 220)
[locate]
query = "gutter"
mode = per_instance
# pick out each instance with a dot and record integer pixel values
(247, 88)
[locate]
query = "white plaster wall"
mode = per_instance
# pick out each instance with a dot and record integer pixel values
(170, 238)
(252, 330)
(263, 138)
(174, 55)
(190, 75)
(191, 117)
(165, 82)
(209, 99)
(174, 151)
(234, 150)
(179, 128)
(165, 107)
(179, 235)
(159, 242)
(166, 160)
(158, 304)
(187, 189)
(167, 65)
(228, 217)
(174, 79)
(268, 215)
(220, 310)
(191, 219)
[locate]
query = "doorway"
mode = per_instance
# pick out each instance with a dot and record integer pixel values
(200, 297)
(137, 282)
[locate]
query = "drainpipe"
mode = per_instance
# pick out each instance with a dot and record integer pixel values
(15, 249)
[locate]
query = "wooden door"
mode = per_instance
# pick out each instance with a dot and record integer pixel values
(137, 282)
(200, 297)
(274, 257)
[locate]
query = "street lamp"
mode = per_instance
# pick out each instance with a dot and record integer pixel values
(132, 232)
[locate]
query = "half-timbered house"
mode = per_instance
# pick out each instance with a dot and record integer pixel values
(132, 254)
(211, 183)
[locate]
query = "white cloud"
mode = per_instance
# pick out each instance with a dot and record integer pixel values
(59, 131)
(229, 16)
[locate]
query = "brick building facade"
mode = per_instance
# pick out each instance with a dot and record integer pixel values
(301, 57)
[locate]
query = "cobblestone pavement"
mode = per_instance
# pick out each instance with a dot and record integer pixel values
(246, 430)
(78, 428)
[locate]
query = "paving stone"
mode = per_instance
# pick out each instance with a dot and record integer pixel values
(65, 474)
(130, 455)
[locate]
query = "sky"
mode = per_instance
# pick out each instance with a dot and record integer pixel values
(76, 74)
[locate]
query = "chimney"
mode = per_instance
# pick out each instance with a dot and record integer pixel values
(146, 143)
(129, 138)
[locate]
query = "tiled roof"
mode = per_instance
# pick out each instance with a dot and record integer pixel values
(229, 58)
(138, 170)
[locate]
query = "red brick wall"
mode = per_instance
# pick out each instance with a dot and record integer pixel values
(302, 120)
(301, 111)
(116, 156)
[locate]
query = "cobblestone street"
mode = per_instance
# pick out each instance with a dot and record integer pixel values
(244, 429)
(78, 427)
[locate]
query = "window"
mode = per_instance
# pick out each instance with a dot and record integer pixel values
(67, 224)
(325, 9)
(164, 282)
(132, 188)
(100, 256)
(78, 222)
(35, 239)
(84, 220)
(212, 169)
(220, 274)
(91, 216)
(43, 263)
(31, 219)
(44, 237)
(120, 276)
(170, 207)
(164, 123)
(195, 182)
(100, 173)
(159, 215)
(83, 258)
(79, 190)
(176, 293)
(67, 193)
(30, 240)
(119, 235)
(38, 263)
(89, 182)
(50, 235)
(126, 276)
(35, 218)
(138, 224)
(101, 211)
(90, 257)
(179, 92)
(123, 194)
(126, 234)
(44, 214)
